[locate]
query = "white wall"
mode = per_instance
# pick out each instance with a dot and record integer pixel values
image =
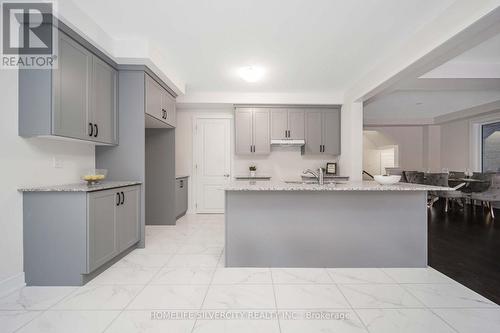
(27, 162)
(283, 162)
(455, 140)
(410, 142)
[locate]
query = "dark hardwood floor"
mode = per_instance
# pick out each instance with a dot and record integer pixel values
(464, 244)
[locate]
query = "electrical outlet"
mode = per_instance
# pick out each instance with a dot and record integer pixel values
(58, 162)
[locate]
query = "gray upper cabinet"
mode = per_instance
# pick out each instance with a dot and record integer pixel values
(104, 96)
(331, 132)
(287, 124)
(296, 124)
(168, 104)
(243, 119)
(261, 140)
(322, 130)
(279, 124)
(252, 131)
(314, 138)
(159, 103)
(75, 100)
(153, 98)
(72, 89)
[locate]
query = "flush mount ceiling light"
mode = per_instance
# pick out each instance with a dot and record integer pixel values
(251, 73)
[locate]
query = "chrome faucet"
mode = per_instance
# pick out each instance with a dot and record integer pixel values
(318, 175)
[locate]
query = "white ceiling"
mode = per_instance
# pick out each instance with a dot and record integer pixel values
(465, 82)
(406, 103)
(306, 46)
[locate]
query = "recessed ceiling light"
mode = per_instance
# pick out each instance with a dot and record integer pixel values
(251, 73)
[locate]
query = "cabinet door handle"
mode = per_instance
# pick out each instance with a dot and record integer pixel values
(91, 129)
(323, 148)
(118, 199)
(123, 198)
(96, 131)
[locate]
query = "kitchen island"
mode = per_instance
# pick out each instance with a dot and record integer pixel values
(350, 224)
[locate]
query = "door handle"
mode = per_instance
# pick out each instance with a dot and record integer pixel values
(91, 129)
(123, 198)
(96, 131)
(118, 199)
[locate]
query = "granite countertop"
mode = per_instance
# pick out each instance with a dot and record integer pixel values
(79, 187)
(181, 176)
(340, 186)
(256, 177)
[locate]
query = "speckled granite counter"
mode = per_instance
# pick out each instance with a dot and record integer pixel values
(79, 187)
(181, 176)
(339, 186)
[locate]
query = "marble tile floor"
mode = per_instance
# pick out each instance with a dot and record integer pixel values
(178, 283)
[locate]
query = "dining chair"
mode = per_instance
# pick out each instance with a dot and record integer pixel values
(483, 186)
(456, 174)
(441, 179)
(491, 195)
(415, 177)
(396, 172)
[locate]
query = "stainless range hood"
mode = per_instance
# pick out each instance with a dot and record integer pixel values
(288, 142)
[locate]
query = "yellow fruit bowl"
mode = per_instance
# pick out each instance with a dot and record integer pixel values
(94, 176)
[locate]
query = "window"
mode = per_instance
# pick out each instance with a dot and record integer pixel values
(490, 147)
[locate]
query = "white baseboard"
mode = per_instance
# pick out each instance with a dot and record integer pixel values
(12, 283)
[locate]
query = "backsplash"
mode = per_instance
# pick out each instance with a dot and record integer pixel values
(284, 163)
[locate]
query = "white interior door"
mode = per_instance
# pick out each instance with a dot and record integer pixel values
(386, 159)
(212, 163)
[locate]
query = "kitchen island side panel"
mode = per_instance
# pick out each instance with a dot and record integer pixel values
(326, 229)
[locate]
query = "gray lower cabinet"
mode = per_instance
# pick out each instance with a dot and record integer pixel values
(75, 100)
(159, 103)
(70, 237)
(252, 131)
(181, 196)
(322, 131)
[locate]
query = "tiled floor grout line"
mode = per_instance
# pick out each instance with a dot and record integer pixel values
(427, 307)
(137, 294)
(275, 299)
(199, 235)
(347, 300)
(444, 320)
(206, 292)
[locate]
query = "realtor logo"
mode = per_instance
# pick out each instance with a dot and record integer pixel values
(28, 35)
